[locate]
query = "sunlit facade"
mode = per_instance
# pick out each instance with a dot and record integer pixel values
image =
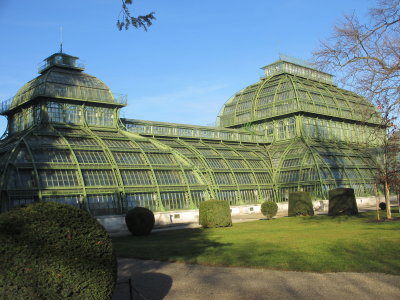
(293, 130)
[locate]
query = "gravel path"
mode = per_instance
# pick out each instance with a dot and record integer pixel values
(162, 280)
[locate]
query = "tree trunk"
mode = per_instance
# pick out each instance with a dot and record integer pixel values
(387, 200)
(398, 200)
(377, 202)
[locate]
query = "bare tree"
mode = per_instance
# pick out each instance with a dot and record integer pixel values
(367, 56)
(125, 19)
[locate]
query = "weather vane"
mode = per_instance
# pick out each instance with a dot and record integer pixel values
(61, 39)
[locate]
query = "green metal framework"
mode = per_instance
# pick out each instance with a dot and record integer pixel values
(286, 93)
(293, 130)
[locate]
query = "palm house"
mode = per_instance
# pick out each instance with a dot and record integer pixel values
(292, 130)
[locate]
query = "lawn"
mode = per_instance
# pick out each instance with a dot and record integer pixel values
(317, 244)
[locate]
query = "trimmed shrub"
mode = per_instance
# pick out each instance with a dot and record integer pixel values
(342, 201)
(382, 206)
(300, 204)
(140, 221)
(269, 209)
(215, 213)
(54, 251)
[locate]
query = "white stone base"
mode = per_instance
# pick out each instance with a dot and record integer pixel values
(117, 223)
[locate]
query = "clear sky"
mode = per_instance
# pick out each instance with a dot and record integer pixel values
(193, 59)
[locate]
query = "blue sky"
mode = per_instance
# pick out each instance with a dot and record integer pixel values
(195, 56)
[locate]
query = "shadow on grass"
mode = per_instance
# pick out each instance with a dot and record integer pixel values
(367, 216)
(248, 245)
(330, 219)
(345, 255)
(171, 245)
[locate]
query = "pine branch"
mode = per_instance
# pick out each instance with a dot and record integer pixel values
(125, 19)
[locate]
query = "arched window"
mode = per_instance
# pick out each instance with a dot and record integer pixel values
(291, 127)
(55, 112)
(72, 114)
(90, 115)
(281, 130)
(270, 129)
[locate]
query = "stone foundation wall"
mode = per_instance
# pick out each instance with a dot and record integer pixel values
(170, 218)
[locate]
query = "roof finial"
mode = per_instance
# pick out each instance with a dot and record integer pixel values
(61, 39)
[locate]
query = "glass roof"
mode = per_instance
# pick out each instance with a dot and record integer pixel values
(66, 84)
(286, 90)
(62, 77)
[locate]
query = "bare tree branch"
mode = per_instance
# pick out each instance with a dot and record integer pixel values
(368, 58)
(125, 19)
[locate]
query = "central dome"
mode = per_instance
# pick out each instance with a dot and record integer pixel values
(62, 78)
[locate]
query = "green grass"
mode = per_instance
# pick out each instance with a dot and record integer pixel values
(317, 244)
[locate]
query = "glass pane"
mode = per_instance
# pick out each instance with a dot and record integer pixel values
(98, 177)
(55, 178)
(90, 157)
(103, 204)
(167, 177)
(131, 158)
(136, 177)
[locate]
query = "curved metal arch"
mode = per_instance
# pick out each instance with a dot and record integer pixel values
(355, 166)
(115, 168)
(210, 172)
(256, 98)
(279, 170)
(299, 107)
(192, 166)
(80, 176)
(11, 157)
(252, 169)
(133, 138)
(317, 165)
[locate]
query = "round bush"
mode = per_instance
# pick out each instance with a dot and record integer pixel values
(215, 213)
(55, 251)
(382, 206)
(269, 209)
(140, 221)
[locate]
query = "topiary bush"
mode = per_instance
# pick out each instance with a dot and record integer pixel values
(300, 204)
(215, 213)
(269, 209)
(382, 206)
(140, 221)
(54, 251)
(342, 201)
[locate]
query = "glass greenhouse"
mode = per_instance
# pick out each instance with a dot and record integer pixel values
(293, 130)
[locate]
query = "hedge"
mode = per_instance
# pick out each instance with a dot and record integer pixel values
(54, 251)
(300, 204)
(215, 213)
(342, 201)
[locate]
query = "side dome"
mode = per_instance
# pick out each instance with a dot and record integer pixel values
(62, 77)
(290, 88)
